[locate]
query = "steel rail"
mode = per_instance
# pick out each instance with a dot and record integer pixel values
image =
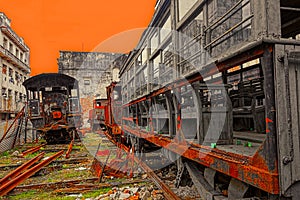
(32, 150)
(168, 193)
(4, 189)
(21, 168)
(69, 149)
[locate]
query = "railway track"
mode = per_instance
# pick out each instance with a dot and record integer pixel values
(160, 176)
(44, 171)
(35, 165)
(38, 169)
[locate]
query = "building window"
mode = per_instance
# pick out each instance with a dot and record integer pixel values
(20, 96)
(87, 82)
(9, 93)
(11, 47)
(17, 77)
(16, 96)
(5, 43)
(4, 69)
(21, 56)
(10, 74)
(17, 52)
(4, 92)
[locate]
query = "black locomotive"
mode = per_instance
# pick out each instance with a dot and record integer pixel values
(54, 106)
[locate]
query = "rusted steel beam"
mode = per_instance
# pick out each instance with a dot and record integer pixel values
(55, 185)
(247, 169)
(20, 169)
(75, 183)
(72, 161)
(119, 145)
(4, 189)
(69, 149)
(32, 150)
(89, 187)
(103, 168)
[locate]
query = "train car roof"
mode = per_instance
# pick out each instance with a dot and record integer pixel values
(50, 80)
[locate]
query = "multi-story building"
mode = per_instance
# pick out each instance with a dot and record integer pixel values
(14, 61)
(93, 70)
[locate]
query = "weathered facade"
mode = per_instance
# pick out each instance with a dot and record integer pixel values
(93, 70)
(14, 61)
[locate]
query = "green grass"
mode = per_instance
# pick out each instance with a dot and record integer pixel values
(32, 155)
(24, 195)
(38, 195)
(4, 154)
(96, 193)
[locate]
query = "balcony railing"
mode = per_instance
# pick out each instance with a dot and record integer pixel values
(11, 57)
(13, 36)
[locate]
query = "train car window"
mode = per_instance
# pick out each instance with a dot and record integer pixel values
(117, 93)
(74, 93)
(144, 55)
(234, 69)
(34, 107)
(166, 29)
(154, 42)
(251, 74)
(48, 89)
(41, 96)
(73, 105)
(234, 80)
(35, 95)
(184, 7)
(251, 63)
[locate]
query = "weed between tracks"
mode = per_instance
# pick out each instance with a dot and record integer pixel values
(38, 195)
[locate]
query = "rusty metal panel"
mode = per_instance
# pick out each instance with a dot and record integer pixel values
(288, 117)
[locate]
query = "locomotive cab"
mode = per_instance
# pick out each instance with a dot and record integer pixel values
(54, 107)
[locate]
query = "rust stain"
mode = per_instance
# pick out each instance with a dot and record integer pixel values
(267, 124)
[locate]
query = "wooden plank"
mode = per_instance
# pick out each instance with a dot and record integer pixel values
(287, 107)
(294, 67)
(281, 120)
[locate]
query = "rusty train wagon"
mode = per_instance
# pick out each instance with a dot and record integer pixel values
(219, 93)
(114, 110)
(53, 106)
(97, 114)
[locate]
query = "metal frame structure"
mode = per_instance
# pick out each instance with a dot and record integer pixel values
(222, 73)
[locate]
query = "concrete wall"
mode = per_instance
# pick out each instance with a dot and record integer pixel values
(93, 70)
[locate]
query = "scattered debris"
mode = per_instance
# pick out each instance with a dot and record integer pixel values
(15, 153)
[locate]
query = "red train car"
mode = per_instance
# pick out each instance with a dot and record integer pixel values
(97, 115)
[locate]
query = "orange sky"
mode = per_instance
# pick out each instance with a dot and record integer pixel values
(48, 26)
